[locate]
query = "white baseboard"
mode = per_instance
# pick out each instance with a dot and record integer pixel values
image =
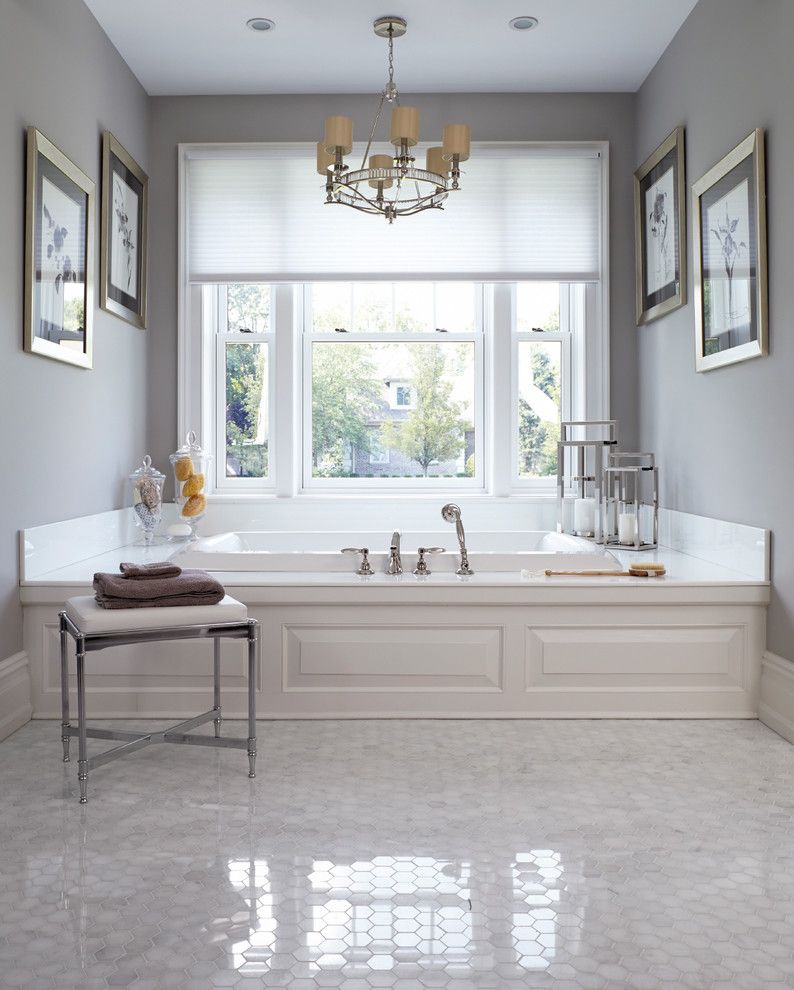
(776, 708)
(15, 706)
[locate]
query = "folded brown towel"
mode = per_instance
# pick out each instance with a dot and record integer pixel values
(177, 600)
(190, 587)
(142, 572)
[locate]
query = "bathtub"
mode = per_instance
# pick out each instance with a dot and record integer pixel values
(489, 552)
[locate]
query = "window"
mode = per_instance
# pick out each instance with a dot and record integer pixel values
(243, 334)
(541, 356)
(395, 396)
(401, 397)
(437, 354)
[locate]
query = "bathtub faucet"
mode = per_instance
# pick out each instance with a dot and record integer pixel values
(395, 560)
(451, 513)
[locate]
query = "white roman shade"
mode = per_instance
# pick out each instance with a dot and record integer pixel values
(256, 213)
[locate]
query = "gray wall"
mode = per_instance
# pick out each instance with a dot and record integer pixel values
(724, 438)
(67, 435)
(492, 117)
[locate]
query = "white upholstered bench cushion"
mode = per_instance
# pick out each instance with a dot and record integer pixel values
(90, 618)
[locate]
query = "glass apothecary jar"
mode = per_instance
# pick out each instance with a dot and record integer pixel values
(146, 488)
(191, 471)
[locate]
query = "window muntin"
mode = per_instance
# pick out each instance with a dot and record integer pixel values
(393, 400)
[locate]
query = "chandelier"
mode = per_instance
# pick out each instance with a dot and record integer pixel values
(391, 185)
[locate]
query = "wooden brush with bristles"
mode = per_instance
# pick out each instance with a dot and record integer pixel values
(640, 569)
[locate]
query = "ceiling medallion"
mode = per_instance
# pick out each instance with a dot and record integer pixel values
(390, 184)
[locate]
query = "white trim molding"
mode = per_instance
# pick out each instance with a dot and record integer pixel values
(776, 708)
(15, 705)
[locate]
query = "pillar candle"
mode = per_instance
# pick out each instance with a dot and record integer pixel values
(584, 516)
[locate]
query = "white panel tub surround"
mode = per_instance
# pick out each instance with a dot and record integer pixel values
(553, 652)
(492, 645)
(776, 708)
(15, 704)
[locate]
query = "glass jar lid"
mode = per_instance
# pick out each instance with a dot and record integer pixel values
(147, 471)
(190, 448)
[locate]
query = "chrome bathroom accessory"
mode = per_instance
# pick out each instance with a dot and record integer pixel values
(366, 568)
(421, 569)
(631, 501)
(395, 565)
(581, 452)
(451, 514)
(93, 628)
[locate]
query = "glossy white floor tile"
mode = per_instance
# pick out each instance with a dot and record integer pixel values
(405, 854)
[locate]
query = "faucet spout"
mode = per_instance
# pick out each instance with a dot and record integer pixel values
(395, 565)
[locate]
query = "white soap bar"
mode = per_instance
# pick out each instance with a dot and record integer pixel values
(179, 529)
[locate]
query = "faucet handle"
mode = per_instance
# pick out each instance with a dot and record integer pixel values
(421, 569)
(366, 568)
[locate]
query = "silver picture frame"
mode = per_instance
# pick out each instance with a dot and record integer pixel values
(123, 240)
(59, 255)
(729, 240)
(660, 230)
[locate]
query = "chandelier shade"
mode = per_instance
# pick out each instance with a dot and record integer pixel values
(400, 187)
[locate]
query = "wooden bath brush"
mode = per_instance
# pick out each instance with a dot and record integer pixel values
(636, 569)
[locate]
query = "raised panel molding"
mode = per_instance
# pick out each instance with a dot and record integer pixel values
(15, 704)
(656, 658)
(392, 658)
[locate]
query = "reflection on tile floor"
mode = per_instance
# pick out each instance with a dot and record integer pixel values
(406, 854)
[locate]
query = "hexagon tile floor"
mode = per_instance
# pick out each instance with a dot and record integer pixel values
(563, 855)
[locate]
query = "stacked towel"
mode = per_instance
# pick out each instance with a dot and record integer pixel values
(140, 572)
(155, 589)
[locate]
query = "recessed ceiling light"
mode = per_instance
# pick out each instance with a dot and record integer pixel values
(261, 24)
(524, 23)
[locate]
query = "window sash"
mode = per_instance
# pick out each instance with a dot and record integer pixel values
(379, 484)
(218, 307)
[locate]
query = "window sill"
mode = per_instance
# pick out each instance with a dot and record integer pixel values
(430, 496)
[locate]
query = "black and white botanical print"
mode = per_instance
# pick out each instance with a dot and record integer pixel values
(61, 290)
(124, 237)
(727, 261)
(660, 232)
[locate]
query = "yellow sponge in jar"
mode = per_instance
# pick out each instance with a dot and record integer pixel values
(193, 486)
(194, 506)
(183, 468)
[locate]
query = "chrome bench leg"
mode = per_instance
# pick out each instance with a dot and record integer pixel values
(65, 723)
(82, 762)
(217, 683)
(253, 639)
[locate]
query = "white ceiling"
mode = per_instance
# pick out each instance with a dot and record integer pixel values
(203, 46)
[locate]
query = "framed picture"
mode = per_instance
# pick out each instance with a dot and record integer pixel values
(59, 260)
(122, 272)
(729, 238)
(660, 230)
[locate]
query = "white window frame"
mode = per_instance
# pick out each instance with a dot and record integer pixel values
(197, 384)
(377, 485)
(216, 309)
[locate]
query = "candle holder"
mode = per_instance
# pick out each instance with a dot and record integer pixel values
(581, 452)
(631, 501)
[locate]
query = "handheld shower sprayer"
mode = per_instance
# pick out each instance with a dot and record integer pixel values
(451, 514)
